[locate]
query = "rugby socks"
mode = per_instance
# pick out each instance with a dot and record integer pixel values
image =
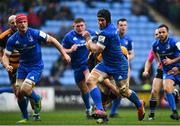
(34, 96)
(96, 96)
(152, 104)
(6, 90)
(23, 107)
(115, 105)
(134, 98)
(85, 98)
(171, 101)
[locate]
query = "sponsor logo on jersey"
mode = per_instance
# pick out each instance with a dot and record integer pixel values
(120, 77)
(32, 77)
(17, 43)
(75, 39)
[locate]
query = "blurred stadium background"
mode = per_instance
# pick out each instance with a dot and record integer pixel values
(55, 17)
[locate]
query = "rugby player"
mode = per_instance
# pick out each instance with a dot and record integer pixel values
(27, 41)
(114, 64)
(166, 50)
(75, 45)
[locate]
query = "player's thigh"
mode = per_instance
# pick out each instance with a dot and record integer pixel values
(17, 87)
(27, 87)
(123, 87)
(83, 86)
(95, 77)
(31, 80)
(80, 73)
(168, 85)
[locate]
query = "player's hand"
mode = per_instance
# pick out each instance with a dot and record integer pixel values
(145, 74)
(167, 61)
(67, 58)
(9, 68)
(86, 35)
(74, 48)
(174, 71)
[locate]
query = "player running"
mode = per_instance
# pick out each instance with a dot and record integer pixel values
(127, 42)
(27, 42)
(75, 45)
(114, 64)
(166, 50)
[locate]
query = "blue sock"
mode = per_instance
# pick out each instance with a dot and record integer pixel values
(115, 105)
(96, 96)
(34, 96)
(6, 90)
(134, 98)
(171, 101)
(85, 98)
(23, 107)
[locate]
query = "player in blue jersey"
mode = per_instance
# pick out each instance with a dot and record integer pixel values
(127, 42)
(14, 58)
(75, 45)
(114, 64)
(28, 42)
(167, 51)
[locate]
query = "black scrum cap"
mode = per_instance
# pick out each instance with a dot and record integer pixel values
(105, 14)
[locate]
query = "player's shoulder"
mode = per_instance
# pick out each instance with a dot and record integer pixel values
(156, 43)
(33, 31)
(13, 38)
(92, 32)
(70, 34)
(5, 33)
(128, 37)
(110, 30)
(172, 40)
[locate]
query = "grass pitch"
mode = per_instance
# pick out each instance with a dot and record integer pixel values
(77, 117)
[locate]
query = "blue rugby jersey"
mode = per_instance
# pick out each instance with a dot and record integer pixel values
(170, 49)
(80, 56)
(109, 39)
(28, 45)
(127, 42)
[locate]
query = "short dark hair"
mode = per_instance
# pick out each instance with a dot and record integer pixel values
(78, 20)
(104, 13)
(164, 25)
(121, 19)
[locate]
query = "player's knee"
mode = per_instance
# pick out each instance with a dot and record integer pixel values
(83, 87)
(27, 86)
(91, 79)
(155, 92)
(168, 89)
(124, 90)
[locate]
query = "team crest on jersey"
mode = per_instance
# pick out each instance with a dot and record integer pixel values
(30, 39)
(157, 48)
(126, 42)
(168, 46)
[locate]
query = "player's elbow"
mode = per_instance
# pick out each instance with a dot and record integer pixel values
(51, 40)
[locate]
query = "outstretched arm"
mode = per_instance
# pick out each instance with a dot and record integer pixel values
(53, 41)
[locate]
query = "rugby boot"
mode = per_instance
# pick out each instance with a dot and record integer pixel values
(141, 111)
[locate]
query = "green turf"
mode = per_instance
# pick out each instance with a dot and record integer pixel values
(77, 117)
